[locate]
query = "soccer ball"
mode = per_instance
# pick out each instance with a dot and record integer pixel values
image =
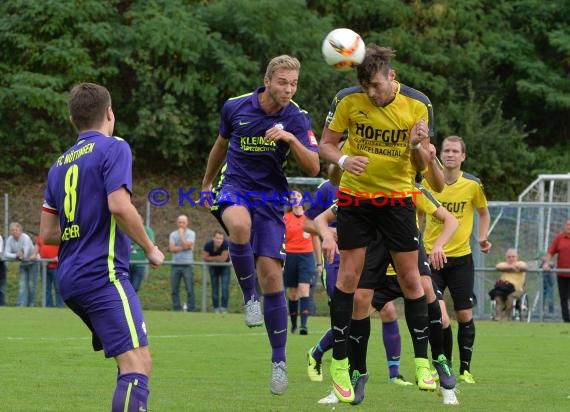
(343, 49)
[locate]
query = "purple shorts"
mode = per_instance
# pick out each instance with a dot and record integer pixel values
(114, 316)
(267, 226)
(330, 274)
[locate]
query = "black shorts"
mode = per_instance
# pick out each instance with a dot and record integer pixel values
(458, 274)
(377, 260)
(391, 290)
(359, 221)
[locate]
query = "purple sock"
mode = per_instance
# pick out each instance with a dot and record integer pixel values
(393, 346)
(244, 266)
(131, 393)
(305, 304)
(275, 317)
(323, 345)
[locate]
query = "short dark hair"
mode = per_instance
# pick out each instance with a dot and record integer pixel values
(87, 105)
(218, 232)
(377, 59)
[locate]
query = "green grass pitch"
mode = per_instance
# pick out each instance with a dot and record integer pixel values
(212, 362)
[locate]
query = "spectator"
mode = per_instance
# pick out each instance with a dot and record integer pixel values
(216, 250)
(50, 252)
(181, 245)
(2, 274)
(561, 246)
(20, 246)
(138, 270)
(510, 286)
(547, 282)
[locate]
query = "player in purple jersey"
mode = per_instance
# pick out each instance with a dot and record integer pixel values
(88, 211)
(256, 133)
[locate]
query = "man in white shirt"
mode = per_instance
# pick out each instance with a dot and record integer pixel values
(181, 245)
(19, 246)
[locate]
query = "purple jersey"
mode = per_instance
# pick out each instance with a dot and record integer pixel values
(93, 250)
(322, 199)
(252, 163)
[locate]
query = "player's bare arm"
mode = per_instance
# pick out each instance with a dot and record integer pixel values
(330, 151)
(329, 246)
(307, 160)
(49, 228)
(434, 172)
(309, 226)
(216, 159)
(437, 256)
(318, 251)
(420, 157)
(484, 224)
(128, 219)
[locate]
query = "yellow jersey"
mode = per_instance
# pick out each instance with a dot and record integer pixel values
(461, 199)
(425, 203)
(381, 134)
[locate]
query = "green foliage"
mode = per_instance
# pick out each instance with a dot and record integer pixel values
(170, 65)
(496, 148)
(46, 48)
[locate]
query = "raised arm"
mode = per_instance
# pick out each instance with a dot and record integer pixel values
(329, 150)
(420, 156)
(434, 172)
(307, 159)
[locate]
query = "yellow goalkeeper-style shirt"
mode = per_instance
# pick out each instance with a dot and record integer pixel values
(462, 199)
(381, 134)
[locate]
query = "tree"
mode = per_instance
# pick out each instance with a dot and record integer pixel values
(170, 65)
(46, 48)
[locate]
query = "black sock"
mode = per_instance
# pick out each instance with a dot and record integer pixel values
(304, 308)
(435, 329)
(465, 341)
(358, 344)
(341, 312)
(418, 325)
(448, 343)
(293, 311)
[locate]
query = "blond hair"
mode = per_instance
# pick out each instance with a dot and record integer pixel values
(282, 62)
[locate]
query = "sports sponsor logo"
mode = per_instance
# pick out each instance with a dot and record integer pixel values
(312, 138)
(342, 392)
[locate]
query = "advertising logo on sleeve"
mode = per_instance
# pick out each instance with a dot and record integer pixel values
(312, 138)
